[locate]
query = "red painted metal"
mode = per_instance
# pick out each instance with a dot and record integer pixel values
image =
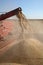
(9, 14)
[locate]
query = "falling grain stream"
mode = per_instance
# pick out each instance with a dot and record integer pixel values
(26, 50)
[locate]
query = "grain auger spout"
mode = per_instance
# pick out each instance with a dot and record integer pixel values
(11, 13)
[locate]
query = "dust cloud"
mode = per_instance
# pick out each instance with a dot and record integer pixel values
(23, 48)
